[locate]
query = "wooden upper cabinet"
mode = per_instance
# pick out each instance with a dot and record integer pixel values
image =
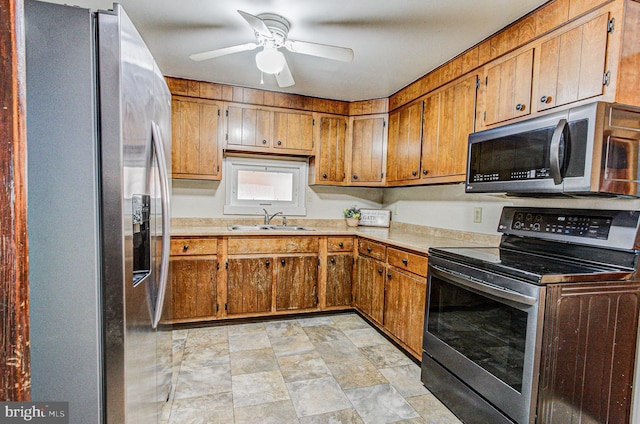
(508, 88)
(448, 119)
(293, 131)
(572, 64)
(248, 126)
(368, 149)
(403, 149)
(331, 139)
(197, 130)
(251, 128)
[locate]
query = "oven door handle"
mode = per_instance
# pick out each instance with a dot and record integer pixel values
(480, 286)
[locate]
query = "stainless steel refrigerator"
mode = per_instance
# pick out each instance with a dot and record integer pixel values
(98, 158)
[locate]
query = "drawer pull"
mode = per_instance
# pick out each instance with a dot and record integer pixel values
(267, 263)
(414, 173)
(425, 172)
(333, 260)
(324, 176)
(264, 141)
(341, 244)
(520, 107)
(185, 247)
(405, 261)
(279, 143)
(388, 275)
(355, 177)
(368, 249)
(380, 271)
(283, 262)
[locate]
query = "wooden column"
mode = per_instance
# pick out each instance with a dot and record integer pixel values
(14, 290)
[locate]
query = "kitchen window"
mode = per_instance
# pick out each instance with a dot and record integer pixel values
(254, 184)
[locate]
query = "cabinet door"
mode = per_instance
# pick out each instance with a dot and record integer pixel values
(405, 139)
(293, 131)
(572, 64)
(339, 272)
(248, 126)
(297, 282)
(331, 138)
(370, 288)
(196, 130)
(367, 152)
(448, 119)
(508, 88)
(249, 285)
(194, 287)
(404, 306)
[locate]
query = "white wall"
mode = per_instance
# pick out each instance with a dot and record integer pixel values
(448, 206)
(205, 199)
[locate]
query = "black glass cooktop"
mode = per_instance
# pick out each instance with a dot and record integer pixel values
(533, 267)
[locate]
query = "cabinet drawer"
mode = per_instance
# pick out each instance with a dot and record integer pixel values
(374, 250)
(244, 245)
(194, 246)
(408, 261)
(340, 244)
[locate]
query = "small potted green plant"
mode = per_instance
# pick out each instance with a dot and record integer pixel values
(352, 215)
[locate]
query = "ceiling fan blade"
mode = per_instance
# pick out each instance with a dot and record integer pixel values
(221, 52)
(257, 24)
(284, 77)
(342, 54)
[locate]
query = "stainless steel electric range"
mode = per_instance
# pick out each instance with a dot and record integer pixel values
(484, 315)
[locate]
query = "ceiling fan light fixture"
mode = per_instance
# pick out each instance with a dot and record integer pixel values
(270, 60)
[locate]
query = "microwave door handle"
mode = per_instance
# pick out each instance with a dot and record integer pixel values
(166, 230)
(479, 286)
(557, 139)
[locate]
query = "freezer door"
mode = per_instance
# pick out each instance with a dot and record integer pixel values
(135, 136)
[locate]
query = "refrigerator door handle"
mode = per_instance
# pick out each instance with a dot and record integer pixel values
(158, 146)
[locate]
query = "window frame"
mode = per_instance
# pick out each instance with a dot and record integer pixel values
(298, 167)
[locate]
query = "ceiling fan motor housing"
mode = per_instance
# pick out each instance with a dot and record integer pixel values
(278, 26)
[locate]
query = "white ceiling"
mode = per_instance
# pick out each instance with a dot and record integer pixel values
(394, 42)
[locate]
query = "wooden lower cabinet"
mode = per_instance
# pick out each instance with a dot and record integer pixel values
(339, 280)
(194, 287)
(369, 290)
(404, 305)
(296, 282)
(588, 353)
(249, 285)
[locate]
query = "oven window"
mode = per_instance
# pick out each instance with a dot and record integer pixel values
(489, 333)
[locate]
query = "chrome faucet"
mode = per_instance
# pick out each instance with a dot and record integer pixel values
(267, 218)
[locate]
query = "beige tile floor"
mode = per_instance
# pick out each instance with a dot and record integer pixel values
(328, 369)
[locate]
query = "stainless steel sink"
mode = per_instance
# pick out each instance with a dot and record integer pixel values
(268, 228)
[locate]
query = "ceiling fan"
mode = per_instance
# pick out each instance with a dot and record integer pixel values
(271, 32)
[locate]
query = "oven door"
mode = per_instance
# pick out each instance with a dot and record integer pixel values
(484, 329)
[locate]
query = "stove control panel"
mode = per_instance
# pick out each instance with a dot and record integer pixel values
(587, 226)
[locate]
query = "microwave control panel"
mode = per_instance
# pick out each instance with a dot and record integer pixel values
(593, 227)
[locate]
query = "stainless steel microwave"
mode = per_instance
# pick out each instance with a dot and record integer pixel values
(589, 149)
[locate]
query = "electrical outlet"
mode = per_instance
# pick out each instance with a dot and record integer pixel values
(477, 215)
(309, 196)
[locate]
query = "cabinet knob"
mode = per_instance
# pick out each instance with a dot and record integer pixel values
(267, 263)
(264, 141)
(185, 247)
(388, 275)
(425, 172)
(414, 173)
(279, 143)
(355, 177)
(545, 99)
(341, 244)
(283, 261)
(333, 260)
(380, 271)
(368, 249)
(405, 261)
(520, 107)
(324, 175)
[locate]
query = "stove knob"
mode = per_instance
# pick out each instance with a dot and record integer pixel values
(536, 226)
